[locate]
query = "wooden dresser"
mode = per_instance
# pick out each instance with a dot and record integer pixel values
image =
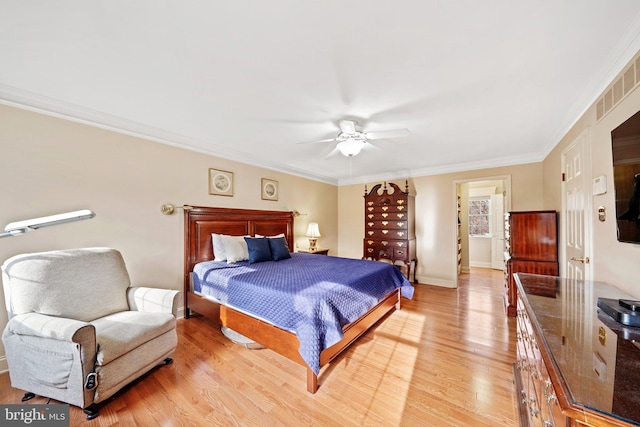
(531, 246)
(575, 365)
(389, 231)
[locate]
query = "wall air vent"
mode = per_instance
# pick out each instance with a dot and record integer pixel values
(621, 87)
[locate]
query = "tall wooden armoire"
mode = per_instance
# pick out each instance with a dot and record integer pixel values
(531, 246)
(389, 234)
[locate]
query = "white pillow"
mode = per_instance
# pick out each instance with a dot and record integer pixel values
(270, 237)
(236, 248)
(219, 251)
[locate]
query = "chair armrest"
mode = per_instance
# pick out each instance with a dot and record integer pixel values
(57, 328)
(153, 300)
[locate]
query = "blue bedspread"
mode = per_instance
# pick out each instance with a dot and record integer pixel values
(311, 295)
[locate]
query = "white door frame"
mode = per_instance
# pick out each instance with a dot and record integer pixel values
(507, 208)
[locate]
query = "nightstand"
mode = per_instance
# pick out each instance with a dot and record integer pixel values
(315, 251)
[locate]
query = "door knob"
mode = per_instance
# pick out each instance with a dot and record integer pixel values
(584, 260)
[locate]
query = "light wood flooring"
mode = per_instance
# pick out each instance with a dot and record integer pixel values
(445, 359)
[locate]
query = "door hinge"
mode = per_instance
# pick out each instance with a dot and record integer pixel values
(564, 177)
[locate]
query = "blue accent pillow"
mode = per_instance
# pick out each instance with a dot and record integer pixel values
(279, 249)
(259, 249)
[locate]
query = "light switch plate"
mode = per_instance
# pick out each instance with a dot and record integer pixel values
(599, 185)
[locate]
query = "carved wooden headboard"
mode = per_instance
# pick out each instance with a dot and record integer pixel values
(200, 222)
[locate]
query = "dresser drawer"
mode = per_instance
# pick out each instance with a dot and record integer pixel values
(400, 254)
(388, 216)
(393, 234)
(387, 224)
(385, 243)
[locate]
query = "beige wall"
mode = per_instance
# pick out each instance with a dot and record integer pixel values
(49, 165)
(612, 262)
(436, 215)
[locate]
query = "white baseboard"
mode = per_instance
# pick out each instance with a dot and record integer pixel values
(4, 366)
(480, 264)
(435, 281)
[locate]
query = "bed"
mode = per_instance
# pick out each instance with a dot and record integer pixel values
(289, 341)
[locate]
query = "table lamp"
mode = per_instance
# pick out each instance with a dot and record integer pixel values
(313, 232)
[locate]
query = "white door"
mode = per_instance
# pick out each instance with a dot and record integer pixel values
(576, 201)
(497, 231)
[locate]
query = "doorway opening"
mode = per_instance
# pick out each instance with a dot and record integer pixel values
(479, 223)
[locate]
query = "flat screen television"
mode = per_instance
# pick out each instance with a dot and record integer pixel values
(625, 145)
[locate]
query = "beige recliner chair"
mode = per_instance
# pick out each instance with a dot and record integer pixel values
(77, 331)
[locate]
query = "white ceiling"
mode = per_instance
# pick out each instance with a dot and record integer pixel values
(477, 83)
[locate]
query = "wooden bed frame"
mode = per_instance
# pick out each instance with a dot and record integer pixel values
(199, 223)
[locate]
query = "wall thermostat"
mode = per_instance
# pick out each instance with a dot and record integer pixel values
(599, 185)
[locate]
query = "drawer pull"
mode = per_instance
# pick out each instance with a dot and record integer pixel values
(401, 224)
(400, 202)
(370, 242)
(370, 233)
(370, 224)
(400, 215)
(400, 244)
(385, 231)
(385, 223)
(384, 215)
(370, 250)
(384, 243)
(370, 203)
(400, 208)
(370, 216)
(400, 252)
(400, 233)
(385, 208)
(370, 209)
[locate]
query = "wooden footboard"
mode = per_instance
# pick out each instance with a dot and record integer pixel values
(284, 342)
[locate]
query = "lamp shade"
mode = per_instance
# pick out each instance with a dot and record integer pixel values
(350, 147)
(313, 230)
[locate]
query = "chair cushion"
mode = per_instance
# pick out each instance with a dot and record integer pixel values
(120, 333)
(83, 284)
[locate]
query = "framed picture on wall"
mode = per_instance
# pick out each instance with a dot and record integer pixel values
(269, 189)
(220, 182)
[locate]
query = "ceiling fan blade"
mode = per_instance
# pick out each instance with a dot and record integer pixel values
(348, 126)
(370, 146)
(315, 142)
(332, 153)
(396, 133)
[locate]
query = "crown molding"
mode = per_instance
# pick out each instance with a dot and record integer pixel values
(444, 169)
(625, 51)
(48, 106)
(30, 101)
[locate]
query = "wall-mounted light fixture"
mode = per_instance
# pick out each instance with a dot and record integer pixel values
(169, 209)
(21, 227)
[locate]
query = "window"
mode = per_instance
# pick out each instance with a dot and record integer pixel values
(480, 216)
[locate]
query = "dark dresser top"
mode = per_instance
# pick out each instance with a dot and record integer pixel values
(598, 358)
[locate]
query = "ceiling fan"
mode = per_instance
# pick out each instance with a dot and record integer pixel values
(351, 139)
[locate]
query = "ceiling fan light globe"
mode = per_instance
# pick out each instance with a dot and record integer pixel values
(350, 147)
